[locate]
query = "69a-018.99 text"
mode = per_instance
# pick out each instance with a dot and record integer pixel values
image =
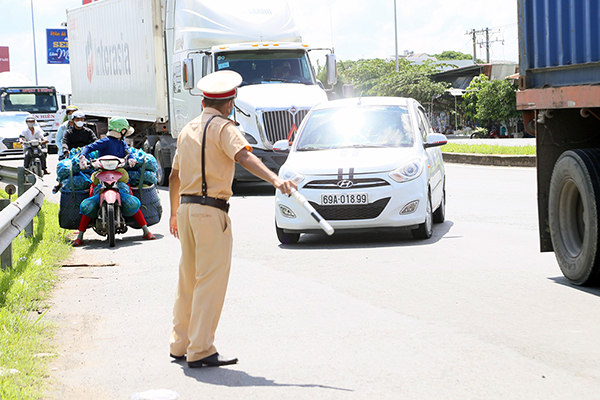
(344, 199)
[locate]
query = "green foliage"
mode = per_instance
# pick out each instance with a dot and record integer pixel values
(488, 149)
(488, 101)
(497, 101)
(469, 99)
(23, 288)
(452, 55)
(379, 78)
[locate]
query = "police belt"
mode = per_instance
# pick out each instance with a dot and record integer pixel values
(205, 200)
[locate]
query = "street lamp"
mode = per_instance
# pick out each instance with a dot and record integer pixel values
(34, 55)
(396, 34)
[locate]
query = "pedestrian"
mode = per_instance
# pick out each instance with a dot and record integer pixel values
(32, 132)
(200, 187)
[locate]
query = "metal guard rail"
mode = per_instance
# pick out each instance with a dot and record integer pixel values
(18, 214)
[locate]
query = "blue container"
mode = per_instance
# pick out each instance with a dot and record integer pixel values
(559, 43)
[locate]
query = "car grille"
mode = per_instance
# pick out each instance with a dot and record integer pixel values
(277, 124)
(341, 213)
(361, 183)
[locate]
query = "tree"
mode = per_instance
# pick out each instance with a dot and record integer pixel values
(454, 55)
(497, 101)
(469, 99)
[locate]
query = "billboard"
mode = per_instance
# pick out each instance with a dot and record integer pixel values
(4, 59)
(58, 46)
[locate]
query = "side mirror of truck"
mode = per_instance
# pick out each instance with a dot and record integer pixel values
(188, 74)
(331, 68)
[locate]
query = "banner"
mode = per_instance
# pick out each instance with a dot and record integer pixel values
(4, 59)
(58, 46)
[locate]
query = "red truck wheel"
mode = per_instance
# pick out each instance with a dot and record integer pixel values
(573, 213)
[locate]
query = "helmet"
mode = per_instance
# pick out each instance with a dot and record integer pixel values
(30, 118)
(72, 108)
(120, 126)
(78, 114)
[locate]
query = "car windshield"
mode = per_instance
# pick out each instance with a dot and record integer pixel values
(12, 121)
(268, 66)
(359, 126)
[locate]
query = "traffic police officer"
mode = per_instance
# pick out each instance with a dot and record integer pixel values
(200, 187)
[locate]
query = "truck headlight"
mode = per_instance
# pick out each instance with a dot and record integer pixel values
(287, 173)
(409, 171)
(250, 138)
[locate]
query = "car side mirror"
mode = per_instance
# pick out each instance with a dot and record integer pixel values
(281, 146)
(435, 139)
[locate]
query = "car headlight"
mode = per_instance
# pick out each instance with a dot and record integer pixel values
(287, 173)
(409, 171)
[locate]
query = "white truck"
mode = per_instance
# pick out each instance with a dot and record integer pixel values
(18, 93)
(142, 60)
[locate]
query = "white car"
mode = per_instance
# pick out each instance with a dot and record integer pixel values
(370, 163)
(12, 125)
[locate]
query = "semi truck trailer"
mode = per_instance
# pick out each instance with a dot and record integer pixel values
(559, 93)
(142, 60)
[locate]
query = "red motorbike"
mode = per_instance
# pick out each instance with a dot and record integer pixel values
(110, 220)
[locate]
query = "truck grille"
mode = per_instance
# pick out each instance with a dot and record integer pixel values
(344, 213)
(278, 124)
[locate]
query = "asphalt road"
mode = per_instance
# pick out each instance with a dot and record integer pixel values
(476, 312)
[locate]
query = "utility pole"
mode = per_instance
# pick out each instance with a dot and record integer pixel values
(485, 42)
(34, 55)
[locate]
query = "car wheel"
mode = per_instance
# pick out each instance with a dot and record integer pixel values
(573, 215)
(439, 215)
(425, 230)
(286, 238)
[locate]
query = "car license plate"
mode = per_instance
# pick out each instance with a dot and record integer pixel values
(344, 199)
(17, 145)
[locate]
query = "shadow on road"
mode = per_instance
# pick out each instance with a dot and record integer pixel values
(561, 280)
(232, 378)
(368, 240)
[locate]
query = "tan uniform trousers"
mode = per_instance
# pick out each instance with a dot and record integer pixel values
(206, 243)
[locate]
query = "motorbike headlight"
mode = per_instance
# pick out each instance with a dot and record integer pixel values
(409, 171)
(287, 173)
(110, 165)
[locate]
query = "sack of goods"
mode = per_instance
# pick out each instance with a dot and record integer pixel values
(151, 206)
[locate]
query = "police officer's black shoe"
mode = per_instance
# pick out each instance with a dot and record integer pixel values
(215, 360)
(177, 357)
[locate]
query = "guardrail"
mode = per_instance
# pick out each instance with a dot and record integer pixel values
(17, 216)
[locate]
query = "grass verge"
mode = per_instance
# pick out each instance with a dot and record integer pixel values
(25, 348)
(488, 149)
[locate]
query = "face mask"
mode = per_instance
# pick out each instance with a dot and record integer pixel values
(79, 123)
(31, 124)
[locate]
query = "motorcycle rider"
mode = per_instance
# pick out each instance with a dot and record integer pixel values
(33, 132)
(77, 135)
(113, 144)
(60, 134)
(62, 129)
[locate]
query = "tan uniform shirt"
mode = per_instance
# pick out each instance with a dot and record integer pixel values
(223, 142)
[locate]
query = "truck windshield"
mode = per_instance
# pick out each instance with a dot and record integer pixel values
(31, 102)
(267, 66)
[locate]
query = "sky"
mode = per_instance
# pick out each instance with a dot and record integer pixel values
(356, 29)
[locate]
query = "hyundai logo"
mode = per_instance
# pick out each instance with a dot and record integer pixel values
(345, 184)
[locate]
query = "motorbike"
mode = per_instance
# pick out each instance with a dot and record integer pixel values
(37, 152)
(110, 220)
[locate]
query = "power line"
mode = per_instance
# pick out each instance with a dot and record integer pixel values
(485, 41)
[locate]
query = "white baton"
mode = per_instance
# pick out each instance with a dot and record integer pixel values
(304, 203)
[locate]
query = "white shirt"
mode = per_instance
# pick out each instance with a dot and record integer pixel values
(37, 133)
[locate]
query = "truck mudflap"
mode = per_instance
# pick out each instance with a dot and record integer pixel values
(272, 160)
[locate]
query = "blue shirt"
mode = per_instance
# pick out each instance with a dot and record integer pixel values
(108, 146)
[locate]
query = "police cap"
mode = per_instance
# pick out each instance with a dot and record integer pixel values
(220, 85)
